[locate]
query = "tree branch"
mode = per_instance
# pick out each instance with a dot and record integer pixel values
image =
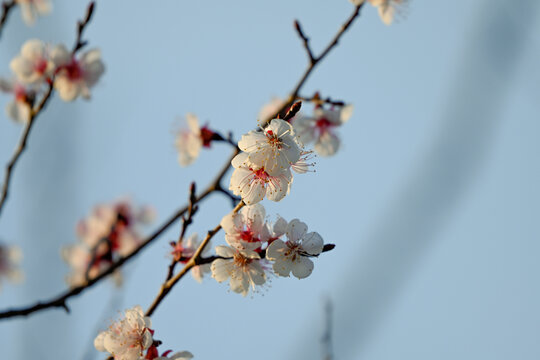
(193, 261)
(21, 147)
(7, 6)
(60, 300)
(314, 60)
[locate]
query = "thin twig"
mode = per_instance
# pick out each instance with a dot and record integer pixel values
(314, 60)
(81, 25)
(186, 221)
(60, 300)
(318, 100)
(193, 261)
(7, 6)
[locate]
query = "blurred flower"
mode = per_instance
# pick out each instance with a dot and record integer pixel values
(387, 9)
(127, 338)
(74, 76)
(19, 108)
(242, 267)
(31, 9)
(273, 149)
(10, 257)
(253, 183)
(32, 65)
(321, 128)
(269, 110)
(109, 232)
(292, 255)
(190, 141)
(152, 354)
(184, 251)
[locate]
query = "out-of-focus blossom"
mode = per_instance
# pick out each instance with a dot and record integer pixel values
(10, 257)
(242, 268)
(33, 65)
(293, 255)
(184, 251)
(109, 232)
(190, 141)
(253, 183)
(273, 149)
(388, 9)
(19, 108)
(127, 338)
(269, 111)
(152, 354)
(31, 9)
(74, 76)
(321, 128)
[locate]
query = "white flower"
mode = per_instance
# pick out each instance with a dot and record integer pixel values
(388, 9)
(321, 128)
(32, 65)
(127, 338)
(74, 76)
(10, 257)
(110, 231)
(253, 183)
(273, 149)
(246, 229)
(18, 109)
(190, 141)
(31, 9)
(293, 255)
(243, 268)
(184, 251)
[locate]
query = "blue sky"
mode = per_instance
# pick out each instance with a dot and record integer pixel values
(432, 202)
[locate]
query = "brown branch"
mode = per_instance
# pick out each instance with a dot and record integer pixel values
(7, 6)
(194, 261)
(192, 209)
(21, 147)
(318, 100)
(60, 300)
(315, 60)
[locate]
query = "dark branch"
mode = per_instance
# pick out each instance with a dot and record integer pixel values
(7, 6)
(60, 300)
(305, 41)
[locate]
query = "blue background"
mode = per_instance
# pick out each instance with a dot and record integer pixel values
(433, 200)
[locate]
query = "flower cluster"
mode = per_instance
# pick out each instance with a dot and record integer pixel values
(10, 257)
(31, 9)
(39, 64)
(321, 128)
(254, 244)
(130, 337)
(109, 232)
(263, 169)
(387, 8)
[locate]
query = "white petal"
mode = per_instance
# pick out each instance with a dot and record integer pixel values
(221, 269)
(346, 113)
(224, 251)
(328, 144)
(296, 230)
(98, 341)
(302, 267)
(275, 249)
(251, 141)
(313, 243)
(282, 267)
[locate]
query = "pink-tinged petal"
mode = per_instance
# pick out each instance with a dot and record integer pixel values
(296, 230)
(302, 267)
(328, 144)
(313, 243)
(254, 217)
